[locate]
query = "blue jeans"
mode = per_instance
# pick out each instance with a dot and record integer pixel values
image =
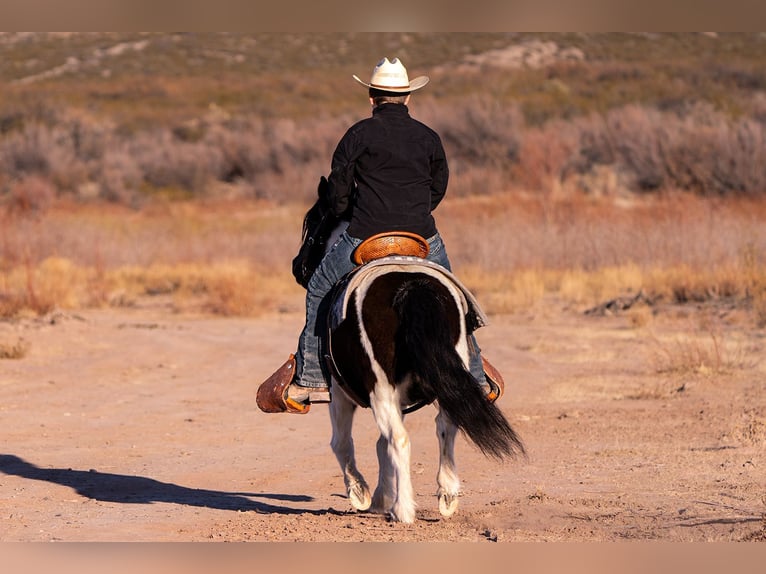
(334, 266)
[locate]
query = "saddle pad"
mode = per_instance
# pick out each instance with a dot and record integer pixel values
(398, 263)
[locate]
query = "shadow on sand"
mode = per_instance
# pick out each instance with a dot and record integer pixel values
(125, 489)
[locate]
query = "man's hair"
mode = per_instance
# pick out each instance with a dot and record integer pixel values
(383, 97)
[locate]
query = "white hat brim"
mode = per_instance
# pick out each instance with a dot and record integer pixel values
(415, 84)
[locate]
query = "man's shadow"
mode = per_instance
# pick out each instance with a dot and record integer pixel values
(126, 489)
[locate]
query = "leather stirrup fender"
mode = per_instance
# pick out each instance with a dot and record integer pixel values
(272, 394)
(391, 243)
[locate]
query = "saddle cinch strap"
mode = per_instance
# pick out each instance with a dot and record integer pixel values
(391, 243)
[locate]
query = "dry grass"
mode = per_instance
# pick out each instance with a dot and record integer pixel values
(226, 288)
(508, 292)
(704, 353)
(17, 349)
(513, 251)
(751, 429)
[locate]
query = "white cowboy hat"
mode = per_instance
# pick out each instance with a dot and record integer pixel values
(392, 77)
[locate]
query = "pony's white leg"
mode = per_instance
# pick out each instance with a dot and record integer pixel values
(383, 498)
(342, 416)
(446, 478)
(388, 416)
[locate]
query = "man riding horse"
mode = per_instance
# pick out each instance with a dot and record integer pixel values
(389, 172)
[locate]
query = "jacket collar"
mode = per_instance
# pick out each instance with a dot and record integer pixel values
(390, 109)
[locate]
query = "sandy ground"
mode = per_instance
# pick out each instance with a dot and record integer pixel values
(140, 425)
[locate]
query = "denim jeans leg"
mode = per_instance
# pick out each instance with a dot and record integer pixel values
(437, 253)
(333, 267)
(475, 365)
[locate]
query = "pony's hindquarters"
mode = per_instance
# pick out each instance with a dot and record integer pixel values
(431, 331)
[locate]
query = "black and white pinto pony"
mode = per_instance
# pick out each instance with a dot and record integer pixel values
(398, 339)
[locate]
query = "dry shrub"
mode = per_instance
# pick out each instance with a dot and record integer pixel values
(467, 180)
(12, 304)
(581, 287)
(752, 429)
(60, 283)
(30, 194)
(639, 317)
(687, 284)
(479, 131)
(228, 288)
(710, 154)
(112, 236)
(235, 289)
(232, 290)
(14, 350)
(508, 292)
(55, 282)
(98, 159)
(704, 349)
(55, 152)
(167, 164)
(753, 267)
(499, 292)
(628, 138)
(28, 151)
(529, 287)
(696, 148)
(635, 147)
(546, 155)
(90, 137)
(159, 279)
(634, 136)
(759, 307)
(278, 158)
(119, 177)
(574, 286)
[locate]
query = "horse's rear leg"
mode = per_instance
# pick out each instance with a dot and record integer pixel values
(449, 484)
(394, 437)
(342, 417)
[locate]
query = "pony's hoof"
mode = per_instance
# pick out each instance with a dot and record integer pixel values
(447, 504)
(381, 504)
(359, 495)
(402, 517)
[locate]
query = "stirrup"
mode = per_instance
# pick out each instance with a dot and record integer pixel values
(273, 395)
(494, 379)
(391, 243)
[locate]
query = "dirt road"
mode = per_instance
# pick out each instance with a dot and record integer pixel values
(141, 425)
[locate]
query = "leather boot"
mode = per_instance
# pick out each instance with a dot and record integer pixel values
(494, 379)
(277, 395)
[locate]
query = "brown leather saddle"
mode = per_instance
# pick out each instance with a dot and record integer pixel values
(391, 243)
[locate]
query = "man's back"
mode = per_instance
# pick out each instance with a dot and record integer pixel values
(400, 170)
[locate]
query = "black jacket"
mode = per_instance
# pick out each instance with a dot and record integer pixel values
(392, 171)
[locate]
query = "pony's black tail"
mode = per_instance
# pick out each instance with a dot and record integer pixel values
(425, 348)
